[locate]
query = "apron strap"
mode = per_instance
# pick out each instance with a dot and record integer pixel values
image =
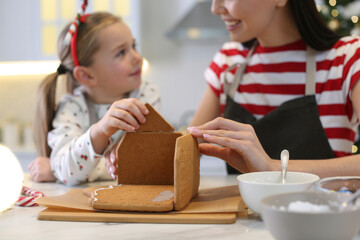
(310, 87)
(231, 89)
(227, 86)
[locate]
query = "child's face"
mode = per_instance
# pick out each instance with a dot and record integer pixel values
(117, 65)
(246, 19)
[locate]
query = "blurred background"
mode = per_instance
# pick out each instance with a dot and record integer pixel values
(178, 39)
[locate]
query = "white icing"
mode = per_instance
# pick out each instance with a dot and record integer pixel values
(99, 189)
(163, 196)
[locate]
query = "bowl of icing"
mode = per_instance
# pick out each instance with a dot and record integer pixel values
(257, 185)
(310, 215)
(346, 184)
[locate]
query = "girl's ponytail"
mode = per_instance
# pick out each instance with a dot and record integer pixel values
(44, 113)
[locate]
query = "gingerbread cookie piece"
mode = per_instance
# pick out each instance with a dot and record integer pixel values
(142, 198)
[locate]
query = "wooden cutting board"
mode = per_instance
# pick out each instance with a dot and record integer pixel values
(214, 205)
(90, 216)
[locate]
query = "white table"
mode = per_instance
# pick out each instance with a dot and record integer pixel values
(21, 222)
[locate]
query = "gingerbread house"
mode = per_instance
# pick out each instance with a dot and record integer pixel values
(158, 169)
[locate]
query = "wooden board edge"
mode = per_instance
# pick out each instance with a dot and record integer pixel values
(189, 218)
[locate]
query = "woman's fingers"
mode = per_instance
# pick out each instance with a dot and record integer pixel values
(232, 140)
(212, 150)
(218, 124)
(228, 155)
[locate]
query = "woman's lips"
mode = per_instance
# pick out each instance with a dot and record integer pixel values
(231, 25)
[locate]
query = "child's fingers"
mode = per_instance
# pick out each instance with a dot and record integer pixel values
(125, 119)
(135, 107)
(30, 166)
(112, 158)
(125, 126)
(138, 104)
(110, 165)
(141, 106)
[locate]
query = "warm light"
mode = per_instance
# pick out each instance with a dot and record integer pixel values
(318, 7)
(334, 13)
(28, 68)
(193, 33)
(145, 65)
(354, 19)
(354, 149)
(334, 24)
(11, 178)
(332, 3)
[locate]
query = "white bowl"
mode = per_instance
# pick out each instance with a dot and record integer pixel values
(346, 184)
(257, 185)
(303, 223)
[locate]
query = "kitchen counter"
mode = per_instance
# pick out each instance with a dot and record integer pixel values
(22, 223)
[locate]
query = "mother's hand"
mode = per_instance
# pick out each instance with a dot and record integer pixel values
(239, 145)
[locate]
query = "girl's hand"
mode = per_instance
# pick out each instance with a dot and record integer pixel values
(239, 145)
(40, 170)
(111, 163)
(125, 114)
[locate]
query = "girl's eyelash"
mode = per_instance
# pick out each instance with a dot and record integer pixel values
(121, 52)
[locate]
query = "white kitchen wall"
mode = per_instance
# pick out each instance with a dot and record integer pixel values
(176, 66)
(19, 30)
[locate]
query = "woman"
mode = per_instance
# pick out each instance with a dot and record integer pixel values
(286, 82)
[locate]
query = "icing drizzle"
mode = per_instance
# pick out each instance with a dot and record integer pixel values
(94, 194)
(163, 196)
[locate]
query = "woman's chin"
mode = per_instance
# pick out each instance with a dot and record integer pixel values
(236, 37)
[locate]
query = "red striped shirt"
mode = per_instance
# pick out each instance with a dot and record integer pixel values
(277, 74)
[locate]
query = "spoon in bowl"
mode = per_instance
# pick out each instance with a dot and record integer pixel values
(350, 201)
(284, 157)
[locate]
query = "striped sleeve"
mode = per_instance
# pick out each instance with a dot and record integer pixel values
(351, 69)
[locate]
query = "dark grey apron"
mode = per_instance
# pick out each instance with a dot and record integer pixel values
(294, 125)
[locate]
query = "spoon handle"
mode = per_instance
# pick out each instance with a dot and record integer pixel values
(284, 157)
(350, 201)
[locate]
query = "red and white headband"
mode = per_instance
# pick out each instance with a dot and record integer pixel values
(71, 35)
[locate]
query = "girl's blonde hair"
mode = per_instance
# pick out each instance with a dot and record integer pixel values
(87, 45)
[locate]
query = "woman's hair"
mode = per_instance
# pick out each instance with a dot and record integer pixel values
(87, 45)
(312, 27)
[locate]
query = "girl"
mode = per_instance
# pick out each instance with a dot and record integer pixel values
(286, 82)
(105, 97)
